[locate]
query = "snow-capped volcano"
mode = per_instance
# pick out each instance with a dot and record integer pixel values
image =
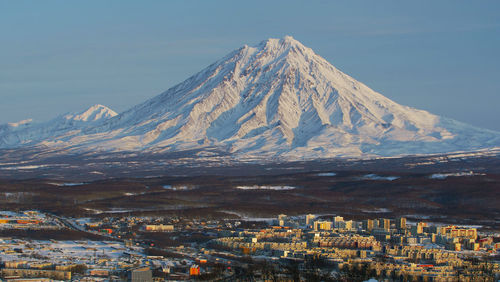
(278, 98)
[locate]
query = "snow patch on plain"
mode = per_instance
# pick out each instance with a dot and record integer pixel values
(266, 187)
(67, 184)
(178, 187)
(326, 174)
(24, 167)
(454, 174)
(378, 177)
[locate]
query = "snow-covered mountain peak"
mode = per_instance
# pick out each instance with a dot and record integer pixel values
(282, 43)
(275, 99)
(286, 47)
(94, 113)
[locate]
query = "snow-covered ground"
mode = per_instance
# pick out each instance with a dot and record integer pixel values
(27, 220)
(24, 167)
(378, 177)
(178, 187)
(326, 174)
(70, 184)
(64, 251)
(453, 174)
(249, 217)
(266, 187)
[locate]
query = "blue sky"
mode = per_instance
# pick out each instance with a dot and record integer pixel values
(62, 56)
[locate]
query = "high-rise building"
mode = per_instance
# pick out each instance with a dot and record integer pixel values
(401, 223)
(386, 224)
(368, 224)
(141, 274)
(420, 227)
(338, 222)
(348, 225)
(322, 225)
(309, 219)
(282, 219)
(456, 232)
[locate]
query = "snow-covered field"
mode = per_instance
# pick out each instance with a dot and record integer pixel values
(326, 174)
(67, 184)
(178, 187)
(378, 177)
(453, 174)
(64, 251)
(266, 187)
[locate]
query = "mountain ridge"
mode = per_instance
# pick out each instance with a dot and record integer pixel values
(275, 99)
(28, 132)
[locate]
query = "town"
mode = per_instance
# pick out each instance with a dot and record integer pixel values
(309, 247)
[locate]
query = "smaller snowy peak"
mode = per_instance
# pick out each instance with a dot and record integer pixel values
(20, 123)
(63, 127)
(94, 113)
(15, 126)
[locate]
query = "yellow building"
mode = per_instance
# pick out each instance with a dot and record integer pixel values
(322, 225)
(401, 223)
(420, 227)
(386, 224)
(160, 227)
(368, 224)
(455, 232)
(310, 218)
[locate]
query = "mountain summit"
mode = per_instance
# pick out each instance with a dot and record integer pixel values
(276, 99)
(29, 133)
